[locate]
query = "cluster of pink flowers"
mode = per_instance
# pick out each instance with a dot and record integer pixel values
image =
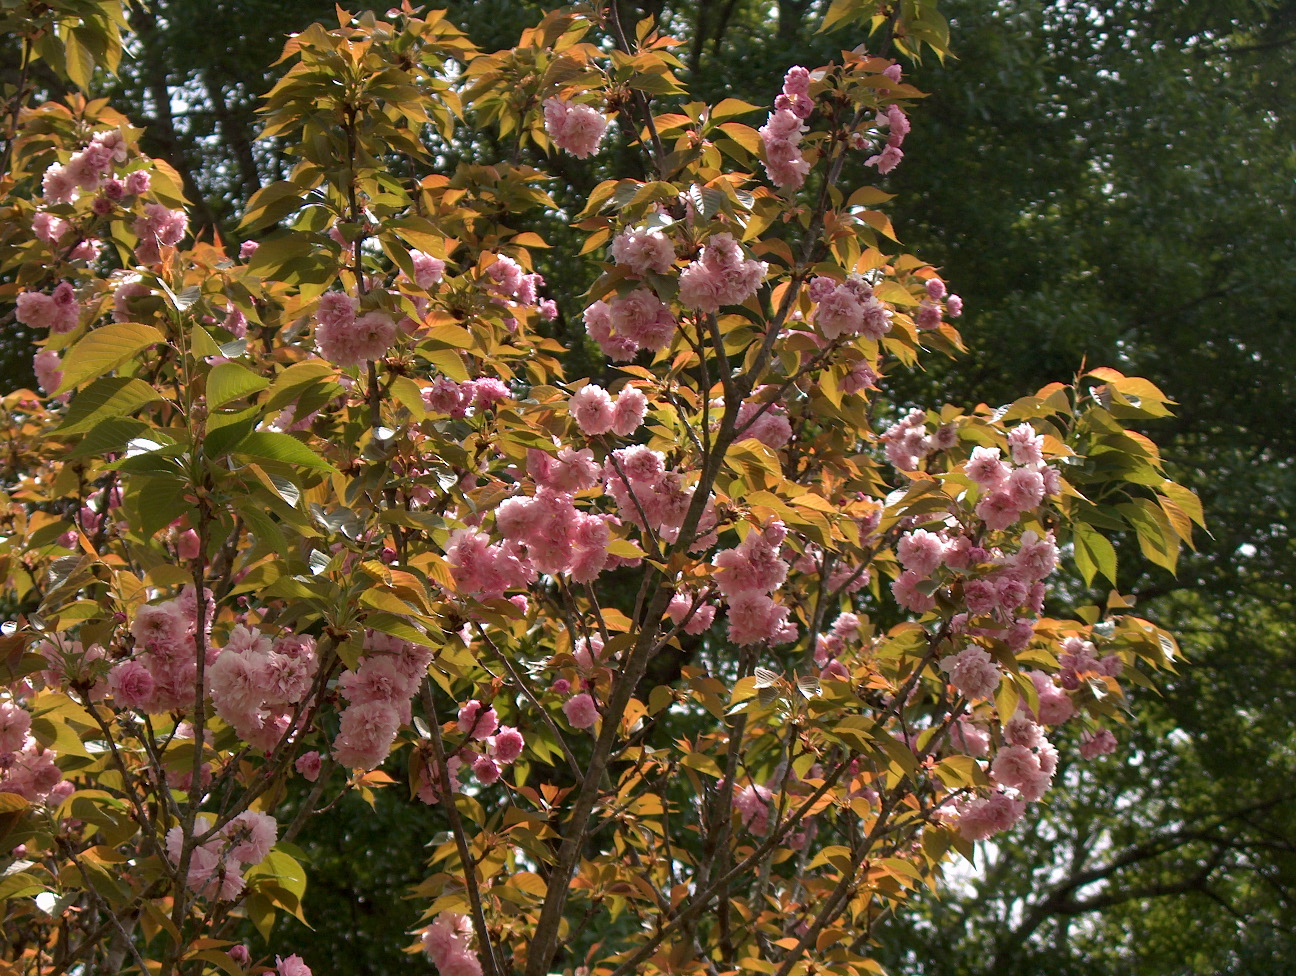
(651, 496)
(542, 533)
(928, 316)
(87, 170)
(595, 412)
(721, 275)
(848, 308)
(907, 441)
(26, 767)
(1095, 744)
(160, 676)
(427, 270)
(458, 399)
(574, 126)
(828, 647)
(983, 817)
(506, 281)
(765, 422)
(643, 251)
(1026, 761)
(446, 941)
(59, 312)
(549, 532)
(216, 865)
(748, 576)
(1008, 490)
(484, 569)
(754, 804)
(1079, 658)
(255, 683)
(490, 745)
(695, 616)
(345, 337)
(378, 697)
(630, 322)
(782, 133)
(897, 125)
(159, 227)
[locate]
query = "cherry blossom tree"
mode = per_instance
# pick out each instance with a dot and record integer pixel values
(321, 512)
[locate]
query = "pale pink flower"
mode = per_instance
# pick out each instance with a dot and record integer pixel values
(367, 733)
(581, 711)
(292, 966)
(1095, 744)
(427, 269)
(753, 805)
(574, 126)
(49, 228)
(486, 770)
(887, 160)
(629, 412)
(999, 510)
(137, 183)
(641, 317)
(506, 744)
(309, 765)
(254, 833)
(643, 251)
(591, 408)
(14, 724)
(46, 364)
(907, 592)
(477, 721)
(972, 672)
(921, 551)
(59, 185)
(131, 685)
(985, 468)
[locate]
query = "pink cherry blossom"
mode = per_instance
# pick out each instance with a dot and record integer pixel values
(643, 251)
(574, 126)
(972, 672)
(581, 711)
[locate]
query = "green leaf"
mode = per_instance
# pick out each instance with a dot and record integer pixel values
(271, 204)
(230, 381)
(104, 349)
(201, 344)
(160, 501)
(110, 435)
(841, 10)
(294, 381)
(112, 396)
(80, 61)
(226, 431)
(263, 445)
(1094, 553)
(1157, 538)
